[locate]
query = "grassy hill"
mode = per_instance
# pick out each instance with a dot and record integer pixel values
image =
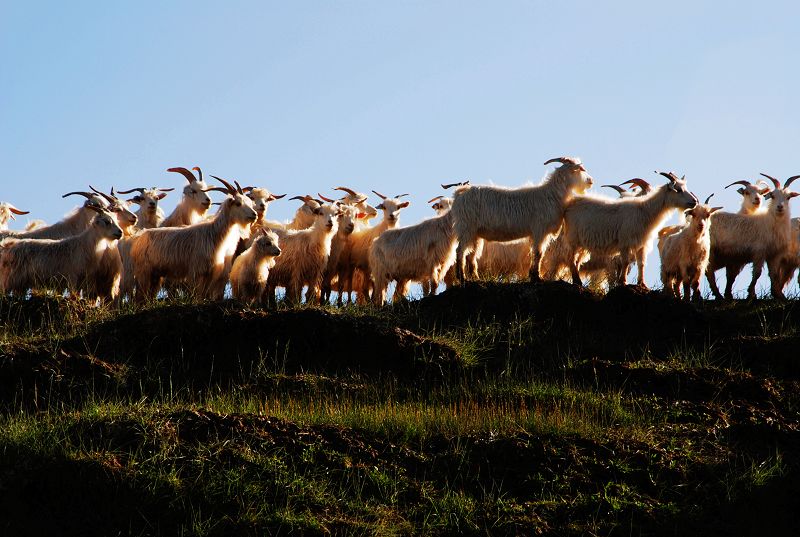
(490, 409)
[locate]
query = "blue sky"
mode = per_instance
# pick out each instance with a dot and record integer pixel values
(391, 96)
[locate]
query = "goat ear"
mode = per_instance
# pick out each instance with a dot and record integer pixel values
(404, 205)
(162, 196)
(740, 191)
(135, 199)
(316, 210)
(768, 196)
(688, 212)
(715, 209)
(793, 195)
(380, 206)
(361, 215)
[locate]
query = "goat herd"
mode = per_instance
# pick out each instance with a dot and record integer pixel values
(553, 230)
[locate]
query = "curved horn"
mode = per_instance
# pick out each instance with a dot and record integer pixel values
(140, 190)
(274, 197)
(348, 190)
(16, 211)
(218, 189)
(231, 189)
(381, 196)
(669, 175)
(87, 195)
(437, 198)
(238, 187)
(742, 182)
(301, 198)
(774, 181)
(199, 172)
(324, 198)
(789, 180)
(638, 181)
(166, 189)
(708, 199)
(400, 196)
(186, 173)
(108, 198)
(615, 187)
(451, 185)
(562, 160)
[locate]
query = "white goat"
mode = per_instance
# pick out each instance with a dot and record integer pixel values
(7, 212)
(150, 215)
(200, 254)
(752, 198)
(502, 214)
(251, 269)
(754, 238)
(358, 200)
(597, 267)
(684, 255)
(422, 252)
(626, 226)
(348, 219)
(73, 224)
(195, 201)
(70, 262)
(304, 257)
(355, 256)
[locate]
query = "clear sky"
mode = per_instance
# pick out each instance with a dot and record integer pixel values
(392, 96)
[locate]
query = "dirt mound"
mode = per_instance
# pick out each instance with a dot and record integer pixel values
(212, 341)
(627, 318)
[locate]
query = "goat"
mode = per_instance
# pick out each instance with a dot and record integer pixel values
(7, 212)
(752, 197)
(754, 238)
(73, 224)
(304, 257)
(625, 226)
(502, 214)
(422, 252)
(150, 215)
(597, 267)
(201, 254)
(355, 255)
(251, 269)
(684, 255)
(195, 201)
(348, 219)
(69, 262)
(358, 200)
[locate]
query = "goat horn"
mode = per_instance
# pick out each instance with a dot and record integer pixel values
(108, 198)
(708, 199)
(15, 210)
(562, 160)
(437, 198)
(140, 190)
(789, 181)
(669, 175)
(166, 189)
(238, 187)
(349, 191)
(217, 189)
(400, 196)
(301, 198)
(615, 187)
(638, 181)
(246, 189)
(277, 196)
(186, 173)
(742, 182)
(451, 185)
(329, 200)
(774, 181)
(87, 195)
(381, 196)
(199, 172)
(230, 187)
